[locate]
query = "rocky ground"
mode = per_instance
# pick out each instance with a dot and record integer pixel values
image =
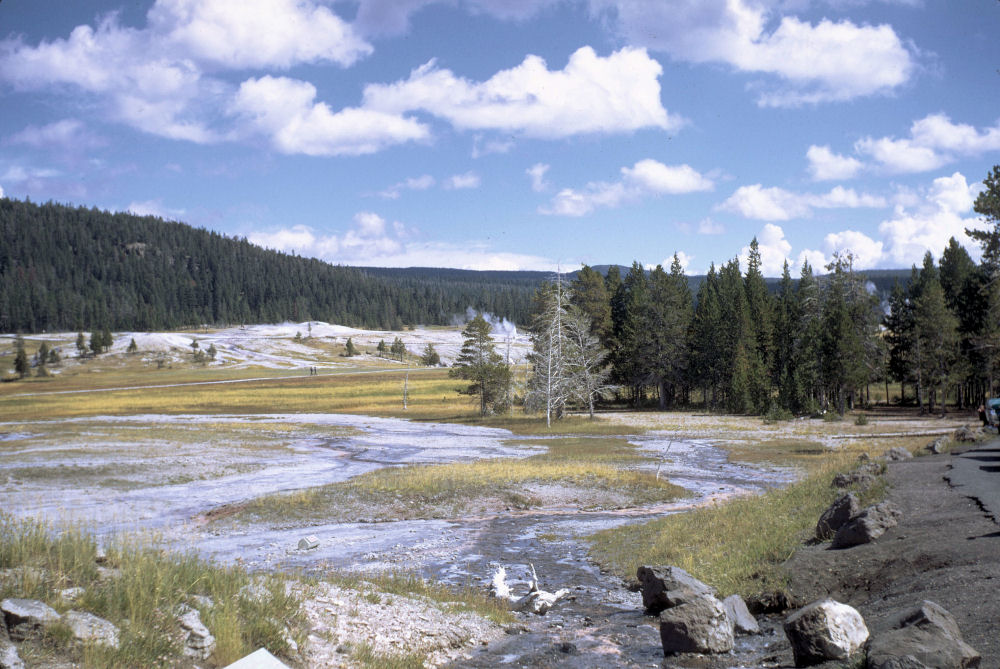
(945, 549)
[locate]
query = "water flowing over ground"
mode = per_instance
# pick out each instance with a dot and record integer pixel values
(162, 473)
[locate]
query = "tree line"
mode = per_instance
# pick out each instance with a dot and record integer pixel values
(818, 343)
(68, 268)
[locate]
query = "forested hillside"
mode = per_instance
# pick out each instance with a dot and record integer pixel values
(73, 268)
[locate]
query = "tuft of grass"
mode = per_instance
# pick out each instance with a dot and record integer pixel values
(141, 595)
(738, 545)
(367, 658)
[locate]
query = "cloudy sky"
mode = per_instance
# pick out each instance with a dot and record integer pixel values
(514, 134)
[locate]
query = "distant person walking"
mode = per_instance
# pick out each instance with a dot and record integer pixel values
(982, 415)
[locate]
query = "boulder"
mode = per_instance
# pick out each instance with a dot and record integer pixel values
(825, 630)
(898, 453)
(937, 446)
(89, 628)
(739, 616)
(699, 625)
(964, 433)
(867, 526)
(26, 617)
(837, 515)
(926, 636)
(9, 659)
(199, 642)
(664, 587)
(863, 477)
(259, 659)
(308, 543)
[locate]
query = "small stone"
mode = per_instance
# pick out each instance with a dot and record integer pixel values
(9, 659)
(71, 594)
(739, 615)
(898, 453)
(308, 543)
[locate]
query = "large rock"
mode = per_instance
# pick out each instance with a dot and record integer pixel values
(862, 478)
(199, 642)
(699, 625)
(898, 453)
(26, 617)
(867, 526)
(740, 618)
(925, 637)
(964, 433)
(89, 628)
(664, 587)
(259, 659)
(837, 515)
(825, 630)
(9, 659)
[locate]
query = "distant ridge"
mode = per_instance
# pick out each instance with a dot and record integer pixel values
(72, 268)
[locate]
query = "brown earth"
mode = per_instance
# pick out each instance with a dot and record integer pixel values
(945, 549)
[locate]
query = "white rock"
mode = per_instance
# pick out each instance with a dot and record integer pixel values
(825, 630)
(88, 627)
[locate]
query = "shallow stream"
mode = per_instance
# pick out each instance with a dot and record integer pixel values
(41, 465)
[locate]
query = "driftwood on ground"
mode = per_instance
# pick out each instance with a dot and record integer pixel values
(536, 601)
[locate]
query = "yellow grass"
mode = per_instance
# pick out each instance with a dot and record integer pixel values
(737, 545)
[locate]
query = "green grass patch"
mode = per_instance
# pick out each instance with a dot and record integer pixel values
(738, 545)
(140, 593)
(367, 658)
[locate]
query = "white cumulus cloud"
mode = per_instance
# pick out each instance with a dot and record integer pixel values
(773, 248)
(778, 204)
(934, 141)
(825, 165)
(256, 33)
(646, 178)
(162, 78)
(944, 211)
(821, 62)
(622, 94)
(285, 110)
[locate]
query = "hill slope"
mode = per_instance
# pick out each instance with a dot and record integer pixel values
(73, 268)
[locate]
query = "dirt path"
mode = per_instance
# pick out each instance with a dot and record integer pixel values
(945, 549)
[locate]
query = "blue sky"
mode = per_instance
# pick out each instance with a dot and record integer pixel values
(514, 134)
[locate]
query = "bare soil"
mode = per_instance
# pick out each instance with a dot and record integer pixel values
(945, 549)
